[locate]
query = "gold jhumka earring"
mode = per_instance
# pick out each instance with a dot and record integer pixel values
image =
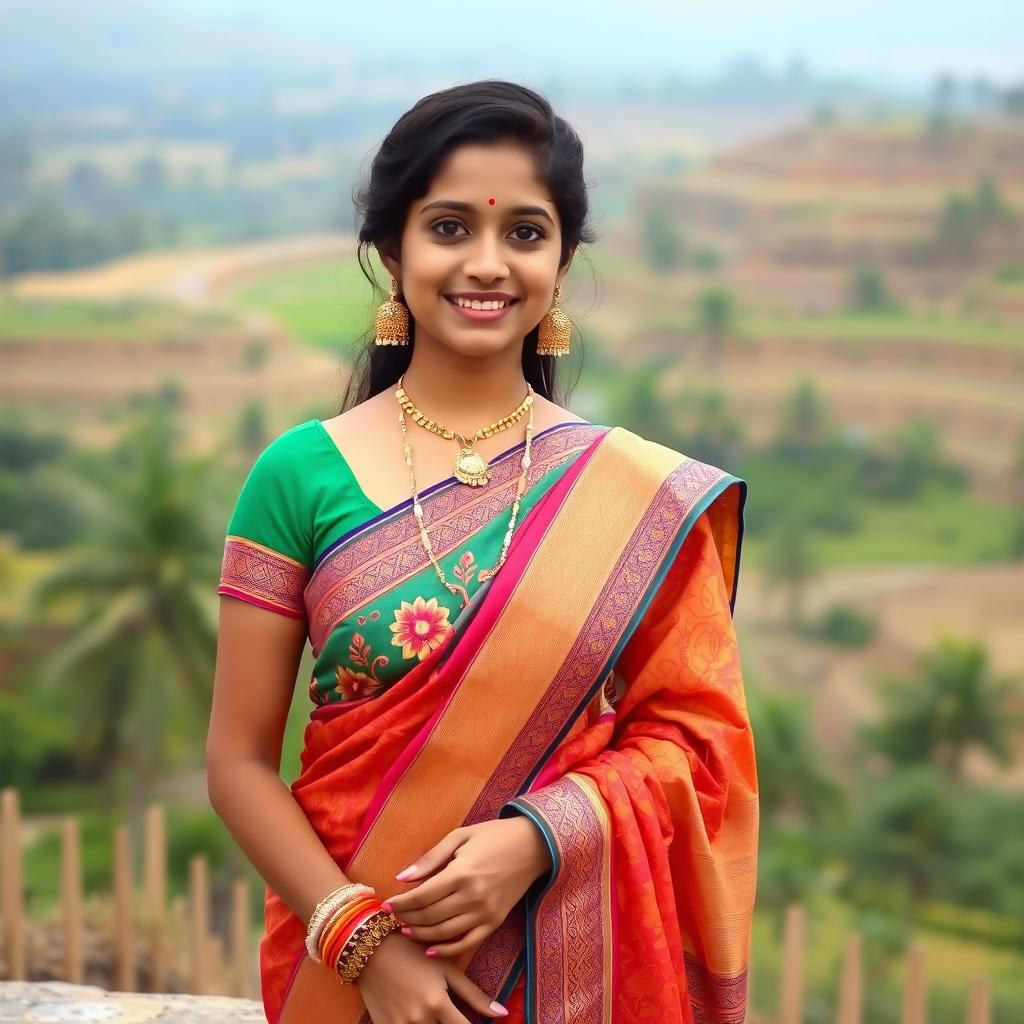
(391, 326)
(555, 331)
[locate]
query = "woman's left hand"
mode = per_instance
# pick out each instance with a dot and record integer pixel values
(477, 875)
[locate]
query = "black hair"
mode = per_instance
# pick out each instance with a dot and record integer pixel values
(402, 171)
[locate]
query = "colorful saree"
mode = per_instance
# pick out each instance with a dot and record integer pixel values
(594, 685)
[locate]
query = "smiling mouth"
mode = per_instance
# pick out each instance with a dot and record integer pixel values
(480, 305)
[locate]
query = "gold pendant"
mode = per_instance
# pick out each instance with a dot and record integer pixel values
(471, 468)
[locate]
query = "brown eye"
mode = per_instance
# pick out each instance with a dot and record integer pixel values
(446, 234)
(528, 227)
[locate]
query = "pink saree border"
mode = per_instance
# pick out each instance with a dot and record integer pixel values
(255, 573)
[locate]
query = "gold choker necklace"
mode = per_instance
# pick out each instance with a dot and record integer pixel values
(470, 466)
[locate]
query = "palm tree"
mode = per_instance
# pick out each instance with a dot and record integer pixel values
(790, 560)
(792, 780)
(715, 320)
(952, 704)
(145, 629)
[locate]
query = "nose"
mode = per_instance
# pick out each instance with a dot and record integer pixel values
(485, 261)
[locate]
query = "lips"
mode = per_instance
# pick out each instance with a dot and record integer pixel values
(485, 315)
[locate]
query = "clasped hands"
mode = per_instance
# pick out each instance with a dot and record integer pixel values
(468, 882)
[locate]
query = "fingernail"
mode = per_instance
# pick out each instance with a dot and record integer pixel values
(431, 952)
(407, 873)
(407, 931)
(387, 906)
(500, 1010)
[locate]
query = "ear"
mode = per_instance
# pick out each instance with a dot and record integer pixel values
(392, 265)
(563, 270)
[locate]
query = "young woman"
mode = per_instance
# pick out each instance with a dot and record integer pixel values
(527, 785)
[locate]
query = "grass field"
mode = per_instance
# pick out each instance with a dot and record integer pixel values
(130, 320)
(941, 527)
(323, 304)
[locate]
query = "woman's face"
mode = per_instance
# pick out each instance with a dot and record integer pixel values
(470, 233)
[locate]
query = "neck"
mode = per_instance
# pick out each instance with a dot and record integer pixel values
(465, 394)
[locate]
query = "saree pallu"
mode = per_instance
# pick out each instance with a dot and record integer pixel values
(607, 643)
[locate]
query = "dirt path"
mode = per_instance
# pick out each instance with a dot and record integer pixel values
(192, 277)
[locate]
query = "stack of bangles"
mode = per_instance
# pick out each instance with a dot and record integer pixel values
(346, 927)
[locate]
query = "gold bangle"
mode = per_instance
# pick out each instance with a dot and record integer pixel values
(361, 945)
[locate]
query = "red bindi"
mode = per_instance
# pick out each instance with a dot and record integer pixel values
(490, 201)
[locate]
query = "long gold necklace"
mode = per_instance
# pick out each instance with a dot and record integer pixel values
(470, 466)
(417, 508)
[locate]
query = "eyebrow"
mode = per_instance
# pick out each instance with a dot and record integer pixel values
(519, 211)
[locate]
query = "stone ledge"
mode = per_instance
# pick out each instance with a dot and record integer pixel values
(38, 1002)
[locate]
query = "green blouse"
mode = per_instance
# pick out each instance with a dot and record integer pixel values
(304, 540)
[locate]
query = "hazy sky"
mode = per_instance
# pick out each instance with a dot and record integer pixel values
(901, 41)
(882, 40)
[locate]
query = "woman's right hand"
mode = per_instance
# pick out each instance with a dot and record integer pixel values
(400, 985)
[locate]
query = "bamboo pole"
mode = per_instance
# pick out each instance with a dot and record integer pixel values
(124, 939)
(11, 892)
(71, 899)
(198, 923)
(915, 996)
(155, 893)
(240, 963)
(791, 998)
(851, 986)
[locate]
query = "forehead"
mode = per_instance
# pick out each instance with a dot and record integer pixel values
(501, 169)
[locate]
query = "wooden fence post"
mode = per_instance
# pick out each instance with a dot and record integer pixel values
(198, 926)
(791, 999)
(915, 997)
(155, 892)
(240, 963)
(71, 899)
(851, 988)
(12, 896)
(124, 937)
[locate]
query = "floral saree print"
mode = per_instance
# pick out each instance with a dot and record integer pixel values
(593, 685)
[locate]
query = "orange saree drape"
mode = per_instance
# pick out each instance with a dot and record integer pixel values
(607, 644)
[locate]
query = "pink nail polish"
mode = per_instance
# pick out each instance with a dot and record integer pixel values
(407, 931)
(431, 952)
(497, 1008)
(387, 906)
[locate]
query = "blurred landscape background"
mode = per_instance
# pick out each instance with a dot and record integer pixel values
(810, 272)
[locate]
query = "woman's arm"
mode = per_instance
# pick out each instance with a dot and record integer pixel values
(258, 655)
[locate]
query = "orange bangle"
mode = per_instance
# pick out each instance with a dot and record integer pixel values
(345, 936)
(344, 914)
(340, 924)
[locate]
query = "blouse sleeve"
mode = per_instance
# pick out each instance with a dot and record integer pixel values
(268, 548)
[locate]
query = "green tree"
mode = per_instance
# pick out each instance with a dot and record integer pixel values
(952, 703)
(144, 638)
(712, 434)
(662, 240)
(792, 781)
(957, 230)
(715, 321)
(906, 835)
(990, 207)
(870, 293)
(805, 425)
(790, 561)
(639, 407)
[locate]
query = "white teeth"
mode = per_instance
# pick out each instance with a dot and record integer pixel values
(479, 304)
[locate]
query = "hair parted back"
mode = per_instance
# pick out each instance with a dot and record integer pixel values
(405, 165)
